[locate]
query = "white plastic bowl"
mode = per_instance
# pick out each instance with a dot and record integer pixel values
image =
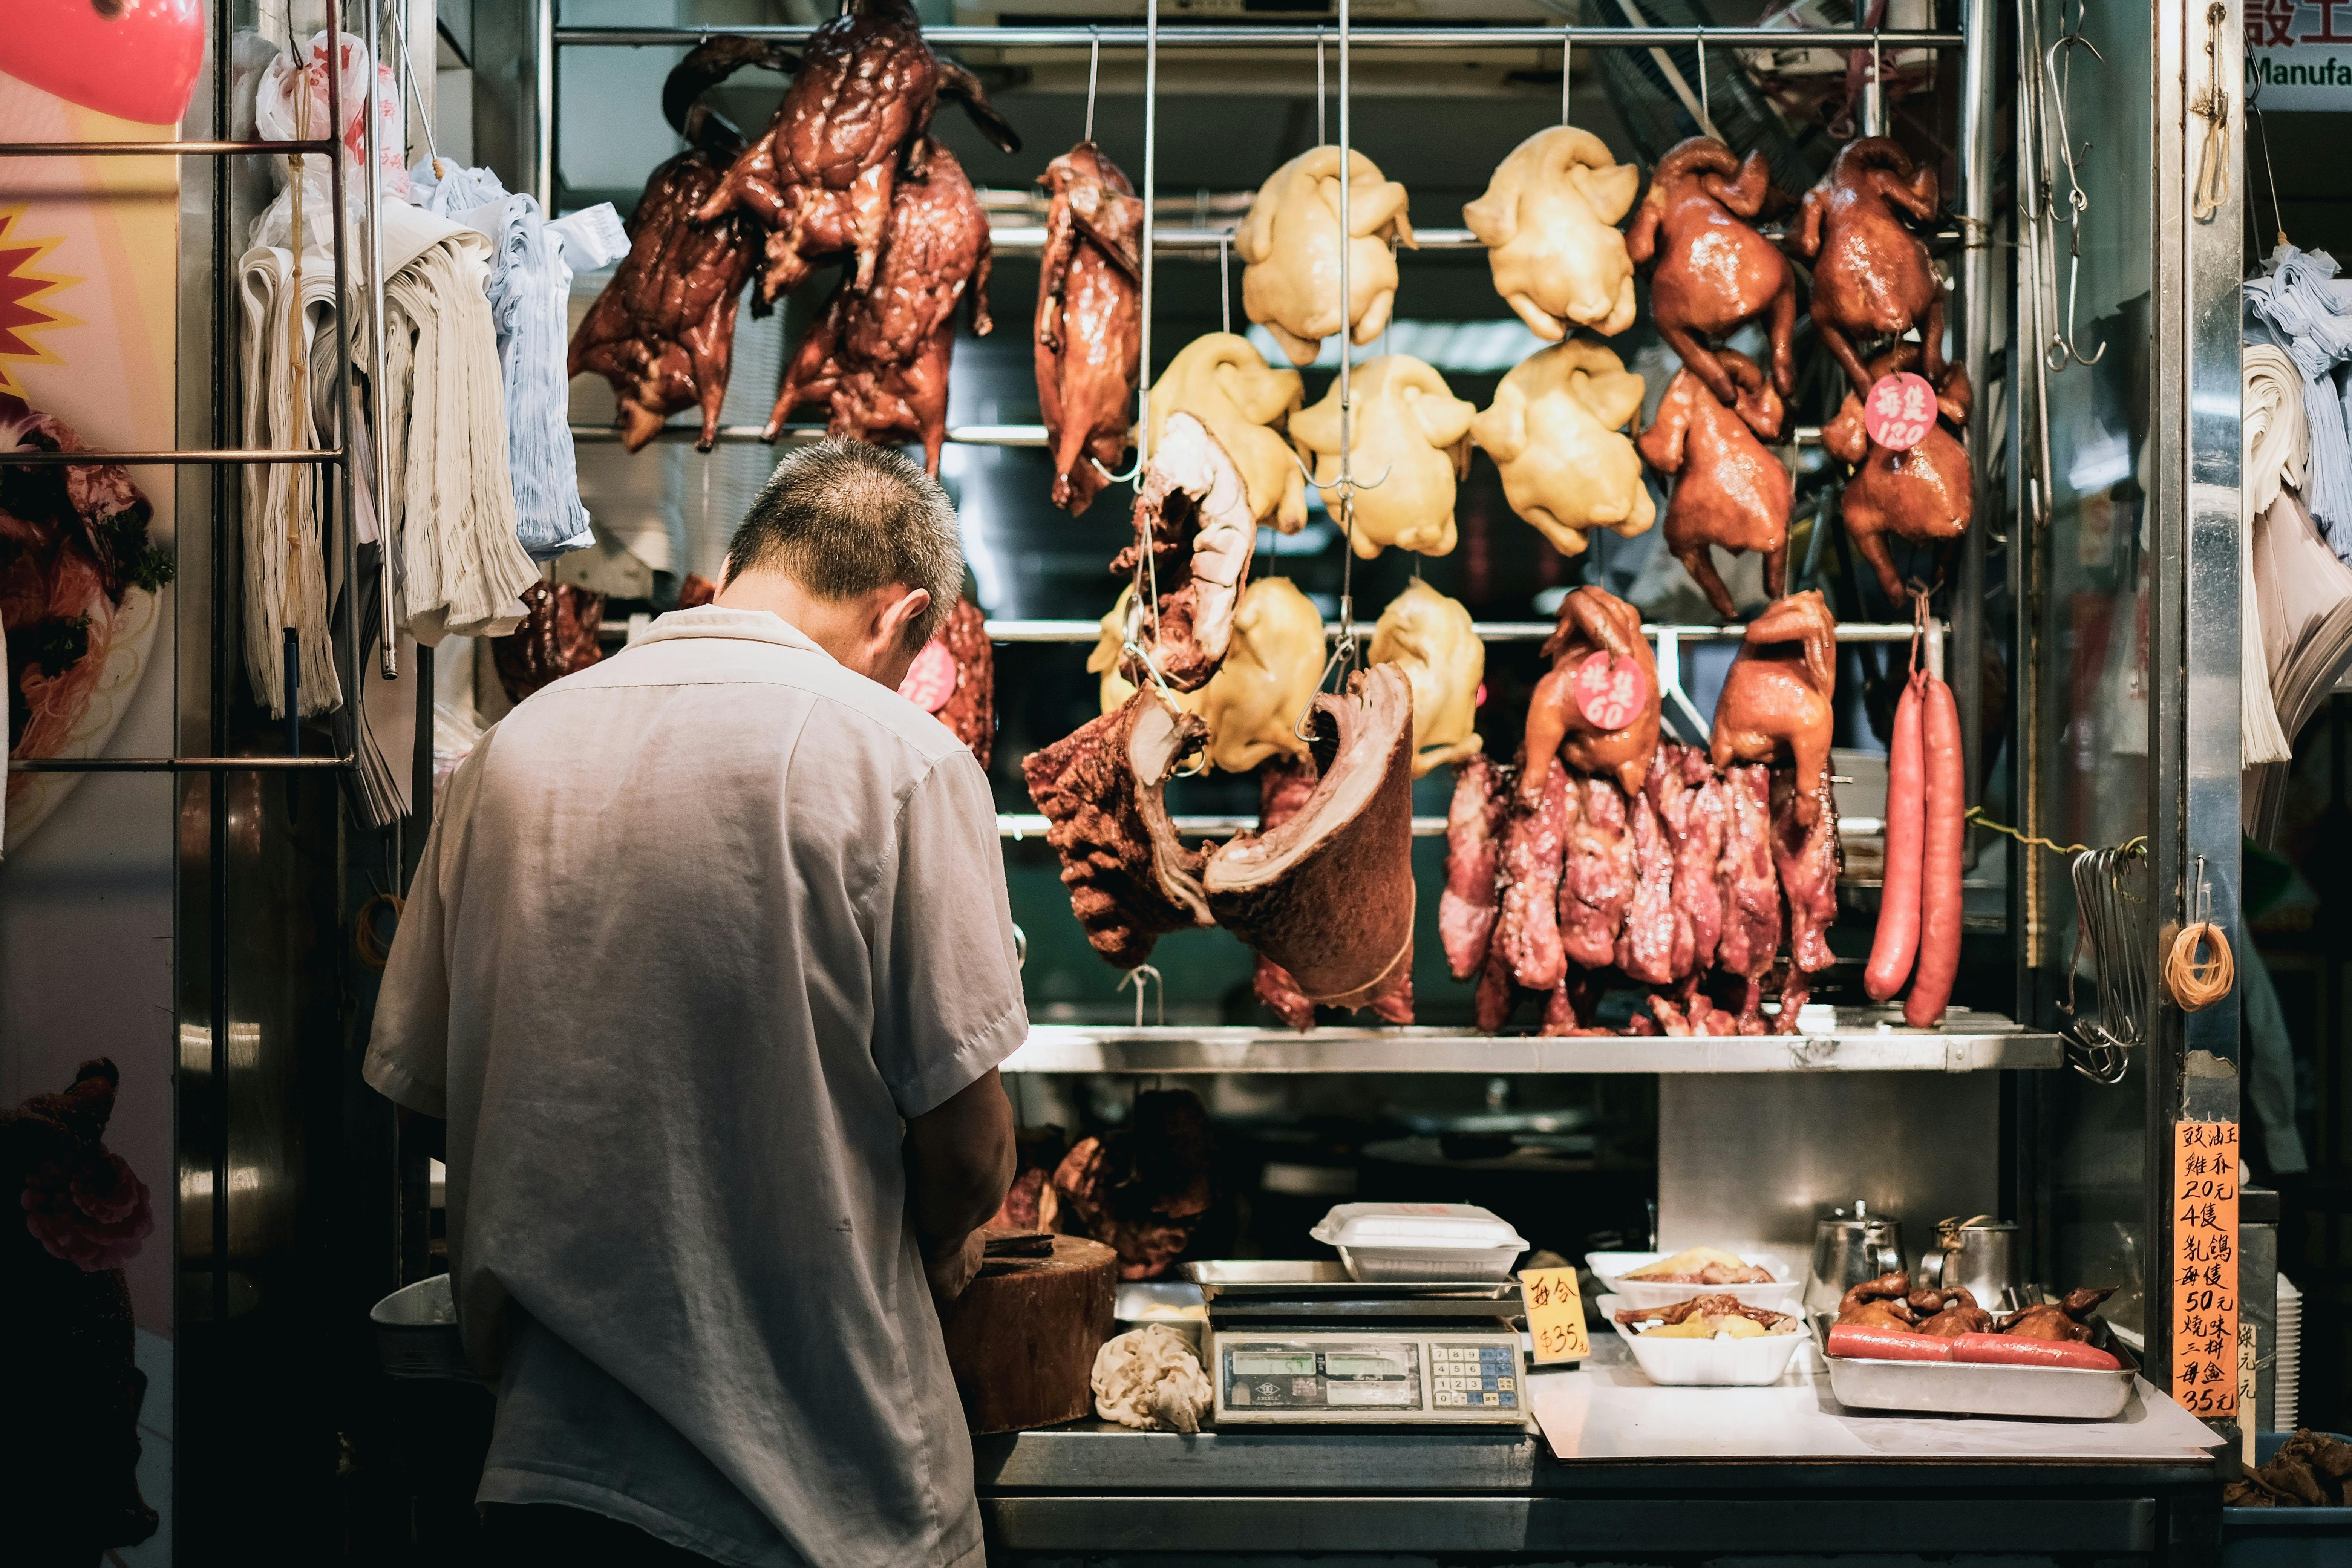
(1744, 1363)
(1782, 1295)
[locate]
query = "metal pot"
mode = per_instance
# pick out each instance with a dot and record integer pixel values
(1979, 1255)
(1848, 1249)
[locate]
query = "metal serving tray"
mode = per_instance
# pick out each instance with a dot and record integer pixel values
(1301, 1290)
(1968, 1388)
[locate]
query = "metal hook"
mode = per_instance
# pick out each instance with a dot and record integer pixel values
(1224, 285)
(1108, 477)
(2058, 70)
(1344, 479)
(1136, 976)
(1566, 59)
(1094, 64)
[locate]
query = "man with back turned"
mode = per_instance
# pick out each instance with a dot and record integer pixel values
(709, 968)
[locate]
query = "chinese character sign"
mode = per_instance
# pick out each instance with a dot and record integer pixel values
(2301, 51)
(1899, 411)
(1555, 1314)
(2204, 1285)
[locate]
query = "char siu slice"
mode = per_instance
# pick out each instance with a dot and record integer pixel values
(1328, 894)
(1101, 790)
(1193, 516)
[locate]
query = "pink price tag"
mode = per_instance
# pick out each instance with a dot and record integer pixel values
(1899, 411)
(1610, 690)
(931, 679)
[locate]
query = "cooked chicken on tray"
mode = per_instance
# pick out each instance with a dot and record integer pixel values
(1548, 223)
(857, 118)
(1714, 273)
(1708, 1317)
(1408, 442)
(1556, 433)
(1089, 321)
(1871, 277)
(877, 359)
(1729, 489)
(1220, 380)
(1289, 244)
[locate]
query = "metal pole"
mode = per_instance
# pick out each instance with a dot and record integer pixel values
(1150, 201)
(1243, 36)
(380, 463)
(1980, 23)
(543, 155)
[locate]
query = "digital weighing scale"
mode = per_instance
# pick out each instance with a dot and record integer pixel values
(1303, 1345)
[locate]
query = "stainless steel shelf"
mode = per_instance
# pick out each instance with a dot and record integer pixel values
(1833, 1040)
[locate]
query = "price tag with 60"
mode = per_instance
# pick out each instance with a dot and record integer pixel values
(1555, 1314)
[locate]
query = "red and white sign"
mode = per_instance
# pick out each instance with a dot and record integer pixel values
(930, 680)
(1610, 690)
(1899, 411)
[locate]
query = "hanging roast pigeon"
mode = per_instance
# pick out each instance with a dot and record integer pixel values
(1089, 330)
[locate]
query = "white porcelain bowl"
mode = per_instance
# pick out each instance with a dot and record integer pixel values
(1745, 1364)
(1782, 1295)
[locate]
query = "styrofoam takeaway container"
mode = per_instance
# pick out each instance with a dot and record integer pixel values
(1751, 1363)
(1421, 1241)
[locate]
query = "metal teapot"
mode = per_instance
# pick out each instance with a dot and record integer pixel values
(1848, 1249)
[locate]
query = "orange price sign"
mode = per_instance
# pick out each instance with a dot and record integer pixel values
(1555, 1314)
(2204, 1281)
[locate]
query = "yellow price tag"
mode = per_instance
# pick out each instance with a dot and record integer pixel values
(1555, 1314)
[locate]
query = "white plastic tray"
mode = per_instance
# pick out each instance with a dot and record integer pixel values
(1782, 1295)
(1734, 1363)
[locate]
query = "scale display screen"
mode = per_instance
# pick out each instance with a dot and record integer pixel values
(1341, 1376)
(1249, 1365)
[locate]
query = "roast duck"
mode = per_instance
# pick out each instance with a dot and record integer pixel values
(1289, 244)
(1556, 432)
(1605, 859)
(557, 637)
(1924, 494)
(1729, 489)
(1251, 705)
(1889, 1303)
(855, 119)
(1714, 273)
(663, 331)
(1089, 330)
(955, 678)
(1220, 380)
(1409, 441)
(1871, 277)
(1433, 640)
(1548, 223)
(877, 359)
(1141, 1188)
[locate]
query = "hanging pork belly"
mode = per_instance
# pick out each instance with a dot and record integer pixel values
(1193, 517)
(1285, 788)
(1100, 788)
(1328, 895)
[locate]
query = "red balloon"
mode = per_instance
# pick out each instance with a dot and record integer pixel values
(135, 60)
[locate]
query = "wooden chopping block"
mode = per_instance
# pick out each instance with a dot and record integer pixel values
(1021, 1338)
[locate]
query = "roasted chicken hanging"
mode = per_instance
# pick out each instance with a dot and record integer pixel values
(1556, 432)
(1730, 490)
(878, 359)
(1193, 536)
(663, 331)
(1220, 380)
(1409, 441)
(1089, 321)
(1871, 277)
(855, 120)
(1714, 273)
(1251, 705)
(1548, 221)
(1289, 245)
(1777, 697)
(1923, 495)
(1432, 639)
(1597, 707)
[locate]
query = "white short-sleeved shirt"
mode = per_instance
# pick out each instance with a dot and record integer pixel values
(696, 928)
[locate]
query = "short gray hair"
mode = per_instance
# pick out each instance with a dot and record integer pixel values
(844, 517)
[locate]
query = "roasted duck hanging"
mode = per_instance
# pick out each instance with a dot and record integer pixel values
(1922, 494)
(855, 119)
(1089, 321)
(663, 331)
(1729, 489)
(1220, 380)
(1871, 277)
(1714, 273)
(878, 359)
(1556, 433)
(1548, 223)
(1777, 697)
(1409, 443)
(1289, 245)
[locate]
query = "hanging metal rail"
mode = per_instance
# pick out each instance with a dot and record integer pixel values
(1183, 35)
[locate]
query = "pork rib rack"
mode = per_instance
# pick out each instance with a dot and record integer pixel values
(1193, 517)
(663, 331)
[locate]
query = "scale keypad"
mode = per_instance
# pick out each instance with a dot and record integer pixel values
(1464, 1375)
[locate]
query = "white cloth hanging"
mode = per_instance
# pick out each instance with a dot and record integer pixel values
(2307, 312)
(2275, 434)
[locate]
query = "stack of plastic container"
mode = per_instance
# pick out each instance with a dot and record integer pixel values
(2286, 1406)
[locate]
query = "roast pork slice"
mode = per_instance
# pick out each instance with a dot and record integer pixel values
(1193, 516)
(1328, 895)
(1101, 790)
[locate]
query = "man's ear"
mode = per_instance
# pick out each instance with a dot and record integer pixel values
(904, 613)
